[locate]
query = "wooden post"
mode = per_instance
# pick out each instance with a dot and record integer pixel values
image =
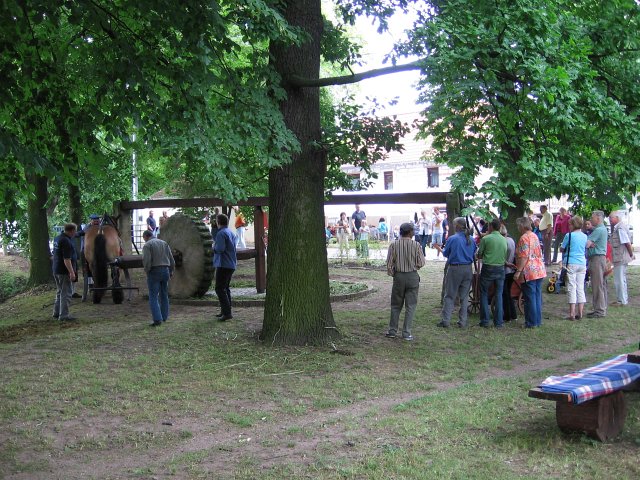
(601, 418)
(258, 232)
(124, 225)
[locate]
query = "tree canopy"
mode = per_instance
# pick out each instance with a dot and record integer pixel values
(543, 93)
(215, 98)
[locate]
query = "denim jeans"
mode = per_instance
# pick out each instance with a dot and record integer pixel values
(63, 296)
(424, 239)
(491, 275)
(532, 293)
(158, 284)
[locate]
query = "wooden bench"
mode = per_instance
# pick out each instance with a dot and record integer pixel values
(601, 418)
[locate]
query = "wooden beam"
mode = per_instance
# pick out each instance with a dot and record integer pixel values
(202, 202)
(380, 198)
(556, 397)
(351, 198)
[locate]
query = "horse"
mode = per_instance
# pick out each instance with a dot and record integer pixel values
(102, 245)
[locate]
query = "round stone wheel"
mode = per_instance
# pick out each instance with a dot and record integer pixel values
(191, 243)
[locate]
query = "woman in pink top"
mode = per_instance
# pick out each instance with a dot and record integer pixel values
(530, 271)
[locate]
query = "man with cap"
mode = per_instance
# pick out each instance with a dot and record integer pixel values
(159, 265)
(64, 271)
(404, 259)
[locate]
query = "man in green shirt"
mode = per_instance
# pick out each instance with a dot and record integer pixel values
(493, 252)
(596, 253)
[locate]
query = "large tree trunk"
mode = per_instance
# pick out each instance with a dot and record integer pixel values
(75, 209)
(40, 270)
(513, 213)
(297, 307)
(75, 204)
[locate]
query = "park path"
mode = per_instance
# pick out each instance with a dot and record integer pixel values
(224, 447)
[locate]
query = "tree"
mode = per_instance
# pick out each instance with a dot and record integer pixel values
(224, 91)
(81, 77)
(536, 91)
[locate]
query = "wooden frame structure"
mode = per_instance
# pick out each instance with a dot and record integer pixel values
(124, 209)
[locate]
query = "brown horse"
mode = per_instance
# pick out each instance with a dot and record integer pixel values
(102, 246)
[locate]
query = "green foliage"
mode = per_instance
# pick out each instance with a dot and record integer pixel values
(351, 137)
(537, 91)
(187, 78)
(11, 283)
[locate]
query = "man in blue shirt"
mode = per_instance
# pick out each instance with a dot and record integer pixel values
(225, 261)
(596, 252)
(459, 251)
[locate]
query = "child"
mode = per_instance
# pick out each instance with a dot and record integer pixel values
(364, 239)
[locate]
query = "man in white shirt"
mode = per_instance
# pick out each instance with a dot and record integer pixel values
(424, 230)
(622, 256)
(546, 229)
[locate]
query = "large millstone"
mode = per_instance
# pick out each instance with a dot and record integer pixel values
(191, 244)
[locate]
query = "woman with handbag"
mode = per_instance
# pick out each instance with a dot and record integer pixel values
(530, 271)
(574, 247)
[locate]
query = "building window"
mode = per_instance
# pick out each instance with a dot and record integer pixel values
(388, 180)
(355, 180)
(433, 175)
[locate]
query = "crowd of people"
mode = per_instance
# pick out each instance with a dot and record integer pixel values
(430, 230)
(507, 269)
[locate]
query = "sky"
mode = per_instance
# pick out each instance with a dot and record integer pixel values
(386, 87)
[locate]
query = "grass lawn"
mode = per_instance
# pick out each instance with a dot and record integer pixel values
(108, 397)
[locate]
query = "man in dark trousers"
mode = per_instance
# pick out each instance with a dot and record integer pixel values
(493, 252)
(159, 265)
(64, 255)
(224, 261)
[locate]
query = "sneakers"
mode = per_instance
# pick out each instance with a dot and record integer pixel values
(393, 335)
(594, 315)
(443, 325)
(224, 318)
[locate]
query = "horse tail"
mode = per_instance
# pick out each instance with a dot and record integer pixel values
(101, 260)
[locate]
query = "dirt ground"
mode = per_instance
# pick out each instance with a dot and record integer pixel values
(14, 262)
(334, 427)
